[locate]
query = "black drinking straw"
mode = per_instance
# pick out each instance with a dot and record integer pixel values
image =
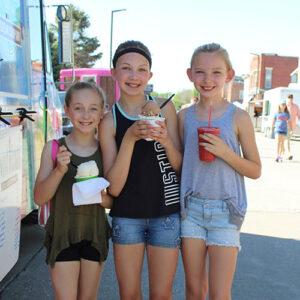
(169, 99)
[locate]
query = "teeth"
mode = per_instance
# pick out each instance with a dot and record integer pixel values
(132, 85)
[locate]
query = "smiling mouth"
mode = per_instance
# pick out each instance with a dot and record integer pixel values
(86, 123)
(207, 88)
(133, 85)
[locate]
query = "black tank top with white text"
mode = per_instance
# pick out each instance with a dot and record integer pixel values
(152, 187)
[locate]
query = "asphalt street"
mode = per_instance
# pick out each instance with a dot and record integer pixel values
(269, 262)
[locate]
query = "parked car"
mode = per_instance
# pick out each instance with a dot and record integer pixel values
(66, 123)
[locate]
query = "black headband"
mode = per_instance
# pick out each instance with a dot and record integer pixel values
(128, 50)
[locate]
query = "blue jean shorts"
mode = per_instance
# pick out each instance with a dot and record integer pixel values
(161, 232)
(209, 220)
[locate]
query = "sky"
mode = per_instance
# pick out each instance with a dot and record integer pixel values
(173, 29)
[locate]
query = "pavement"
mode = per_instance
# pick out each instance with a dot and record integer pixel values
(268, 264)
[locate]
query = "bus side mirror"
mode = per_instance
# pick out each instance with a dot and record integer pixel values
(65, 35)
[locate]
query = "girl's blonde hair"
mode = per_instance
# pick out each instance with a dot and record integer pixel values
(81, 85)
(211, 48)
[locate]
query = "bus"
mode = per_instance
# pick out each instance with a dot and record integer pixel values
(30, 115)
(102, 77)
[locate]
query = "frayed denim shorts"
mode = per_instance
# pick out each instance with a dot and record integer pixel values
(209, 220)
(161, 232)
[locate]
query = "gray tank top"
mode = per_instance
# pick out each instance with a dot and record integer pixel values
(216, 180)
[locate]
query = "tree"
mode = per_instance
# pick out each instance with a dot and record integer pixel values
(181, 97)
(84, 47)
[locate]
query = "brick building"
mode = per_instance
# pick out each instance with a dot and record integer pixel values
(235, 89)
(268, 71)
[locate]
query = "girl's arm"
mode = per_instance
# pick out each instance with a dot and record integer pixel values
(107, 199)
(48, 178)
(116, 163)
(167, 135)
(249, 165)
(181, 117)
(273, 122)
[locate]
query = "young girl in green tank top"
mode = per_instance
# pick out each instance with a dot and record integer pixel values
(76, 236)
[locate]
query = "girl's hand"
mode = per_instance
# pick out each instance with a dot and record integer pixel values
(107, 200)
(215, 145)
(63, 159)
(160, 133)
(139, 130)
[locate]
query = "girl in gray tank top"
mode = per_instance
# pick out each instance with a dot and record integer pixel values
(213, 196)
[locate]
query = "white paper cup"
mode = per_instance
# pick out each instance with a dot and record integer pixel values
(152, 121)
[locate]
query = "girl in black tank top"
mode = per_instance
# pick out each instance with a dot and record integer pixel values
(142, 174)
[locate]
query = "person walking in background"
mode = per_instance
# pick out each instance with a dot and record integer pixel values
(280, 125)
(193, 100)
(213, 195)
(294, 112)
(143, 180)
(76, 236)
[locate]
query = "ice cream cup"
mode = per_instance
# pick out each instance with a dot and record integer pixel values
(78, 179)
(205, 155)
(152, 121)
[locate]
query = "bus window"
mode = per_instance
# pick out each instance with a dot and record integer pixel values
(89, 78)
(68, 82)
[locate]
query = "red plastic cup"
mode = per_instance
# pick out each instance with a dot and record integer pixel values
(205, 155)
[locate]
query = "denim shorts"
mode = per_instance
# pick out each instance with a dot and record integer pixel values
(161, 232)
(209, 220)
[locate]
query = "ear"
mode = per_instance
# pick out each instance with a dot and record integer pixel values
(113, 73)
(189, 73)
(102, 113)
(150, 75)
(230, 75)
(66, 111)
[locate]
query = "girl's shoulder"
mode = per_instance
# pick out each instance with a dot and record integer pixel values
(168, 109)
(183, 111)
(241, 118)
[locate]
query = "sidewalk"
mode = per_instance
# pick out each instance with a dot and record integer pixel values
(274, 198)
(268, 264)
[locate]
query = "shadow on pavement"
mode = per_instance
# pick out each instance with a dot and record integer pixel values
(268, 268)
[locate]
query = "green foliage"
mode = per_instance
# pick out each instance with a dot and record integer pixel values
(180, 98)
(84, 47)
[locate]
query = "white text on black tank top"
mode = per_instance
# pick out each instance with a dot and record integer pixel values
(170, 181)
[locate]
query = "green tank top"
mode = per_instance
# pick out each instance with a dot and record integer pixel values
(69, 224)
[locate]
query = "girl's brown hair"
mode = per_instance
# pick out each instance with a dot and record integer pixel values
(285, 108)
(81, 85)
(211, 48)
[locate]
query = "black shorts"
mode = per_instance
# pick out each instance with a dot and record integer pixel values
(79, 250)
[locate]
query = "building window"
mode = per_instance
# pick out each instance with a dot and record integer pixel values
(268, 78)
(294, 78)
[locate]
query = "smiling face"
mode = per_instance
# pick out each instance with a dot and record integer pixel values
(132, 72)
(209, 73)
(85, 110)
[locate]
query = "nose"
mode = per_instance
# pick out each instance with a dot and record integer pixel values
(207, 77)
(132, 74)
(85, 114)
